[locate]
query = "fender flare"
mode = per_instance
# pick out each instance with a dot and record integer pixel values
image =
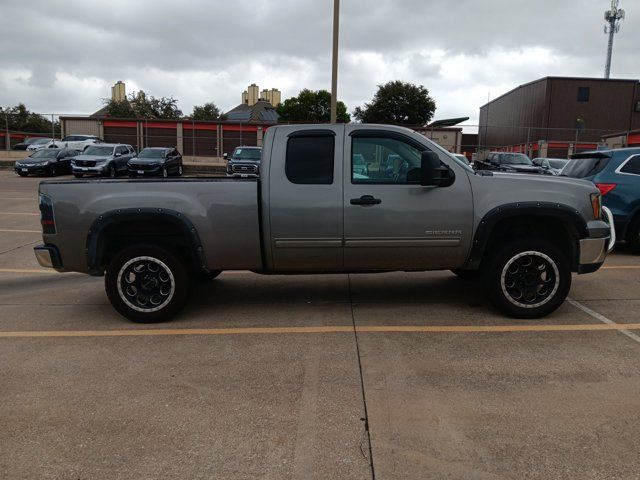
(95, 247)
(568, 216)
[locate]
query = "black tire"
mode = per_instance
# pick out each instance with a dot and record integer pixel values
(112, 173)
(52, 172)
(78, 175)
(633, 234)
(159, 290)
(545, 281)
(468, 275)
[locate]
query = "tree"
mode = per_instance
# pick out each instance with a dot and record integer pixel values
(311, 107)
(399, 103)
(20, 119)
(208, 111)
(141, 105)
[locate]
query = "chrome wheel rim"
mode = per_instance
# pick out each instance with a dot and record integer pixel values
(165, 174)
(530, 279)
(112, 172)
(146, 284)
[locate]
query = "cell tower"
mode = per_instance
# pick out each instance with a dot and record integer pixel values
(612, 17)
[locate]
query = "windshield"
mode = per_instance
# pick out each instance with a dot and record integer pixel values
(557, 163)
(246, 154)
(98, 151)
(151, 153)
(516, 159)
(46, 153)
(585, 166)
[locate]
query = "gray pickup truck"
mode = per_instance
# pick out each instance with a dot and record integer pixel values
(314, 210)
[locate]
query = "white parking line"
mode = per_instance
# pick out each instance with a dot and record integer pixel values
(603, 319)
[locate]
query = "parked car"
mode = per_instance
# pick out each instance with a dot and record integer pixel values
(244, 162)
(310, 211)
(40, 143)
(508, 162)
(105, 159)
(47, 161)
(161, 161)
(25, 143)
(551, 165)
(616, 173)
(78, 142)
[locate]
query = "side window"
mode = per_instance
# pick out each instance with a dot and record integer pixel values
(122, 150)
(632, 165)
(310, 159)
(384, 160)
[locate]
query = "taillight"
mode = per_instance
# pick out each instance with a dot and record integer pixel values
(47, 219)
(606, 187)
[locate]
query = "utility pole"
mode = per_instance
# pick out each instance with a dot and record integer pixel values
(334, 62)
(612, 17)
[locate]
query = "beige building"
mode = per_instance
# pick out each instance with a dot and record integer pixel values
(118, 92)
(252, 95)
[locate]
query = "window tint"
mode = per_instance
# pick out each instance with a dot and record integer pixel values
(583, 94)
(384, 160)
(122, 150)
(310, 159)
(585, 166)
(632, 165)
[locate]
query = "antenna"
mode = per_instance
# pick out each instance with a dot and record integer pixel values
(612, 17)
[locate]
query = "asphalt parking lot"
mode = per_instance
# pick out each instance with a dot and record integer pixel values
(276, 377)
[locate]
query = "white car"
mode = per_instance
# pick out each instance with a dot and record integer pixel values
(78, 142)
(40, 143)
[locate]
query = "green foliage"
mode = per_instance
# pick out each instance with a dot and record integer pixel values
(20, 119)
(311, 107)
(208, 111)
(141, 105)
(398, 103)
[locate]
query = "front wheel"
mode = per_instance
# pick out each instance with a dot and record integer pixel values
(112, 172)
(180, 170)
(147, 283)
(528, 278)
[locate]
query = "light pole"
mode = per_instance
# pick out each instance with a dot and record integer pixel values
(334, 61)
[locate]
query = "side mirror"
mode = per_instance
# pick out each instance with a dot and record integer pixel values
(433, 173)
(225, 156)
(118, 154)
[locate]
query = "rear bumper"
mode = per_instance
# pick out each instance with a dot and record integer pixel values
(48, 256)
(594, 249)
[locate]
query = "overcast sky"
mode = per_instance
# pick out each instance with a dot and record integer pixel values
(63, 56)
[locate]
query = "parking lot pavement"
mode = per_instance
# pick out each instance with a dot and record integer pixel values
(265, 377)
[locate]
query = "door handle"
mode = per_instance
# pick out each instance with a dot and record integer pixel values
(366, 200)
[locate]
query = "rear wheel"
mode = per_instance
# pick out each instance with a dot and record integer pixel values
(528, 278)
(147, 283)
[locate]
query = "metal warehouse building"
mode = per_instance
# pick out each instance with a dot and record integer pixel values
(556, 116)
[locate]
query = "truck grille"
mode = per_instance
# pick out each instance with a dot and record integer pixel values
(250, 169)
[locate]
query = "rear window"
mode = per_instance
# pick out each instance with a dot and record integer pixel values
(582, 167)
(310, 159)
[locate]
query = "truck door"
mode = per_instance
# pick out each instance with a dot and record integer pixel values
(390, 220)
(305, 198)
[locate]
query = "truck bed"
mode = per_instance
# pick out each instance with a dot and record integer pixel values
(224, 213)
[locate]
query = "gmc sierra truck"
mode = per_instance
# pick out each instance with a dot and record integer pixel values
(314, 210)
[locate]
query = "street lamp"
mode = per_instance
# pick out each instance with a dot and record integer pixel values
(334, 62)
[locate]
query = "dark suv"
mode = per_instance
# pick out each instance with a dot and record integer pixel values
(244, 162)
(616, 173)
(508, 162)
(163, 161)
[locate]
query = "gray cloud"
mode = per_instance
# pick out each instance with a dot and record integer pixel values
(63, 57)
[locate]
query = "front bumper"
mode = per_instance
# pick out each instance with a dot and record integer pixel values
(97, 170)
(594, 249)
(144, 169)
(31, 169)
(48, 256)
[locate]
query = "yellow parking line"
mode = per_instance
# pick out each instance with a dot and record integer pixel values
(26, 270)
(321, 329)
(614, 267)
(21, 231)
(19, 213)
